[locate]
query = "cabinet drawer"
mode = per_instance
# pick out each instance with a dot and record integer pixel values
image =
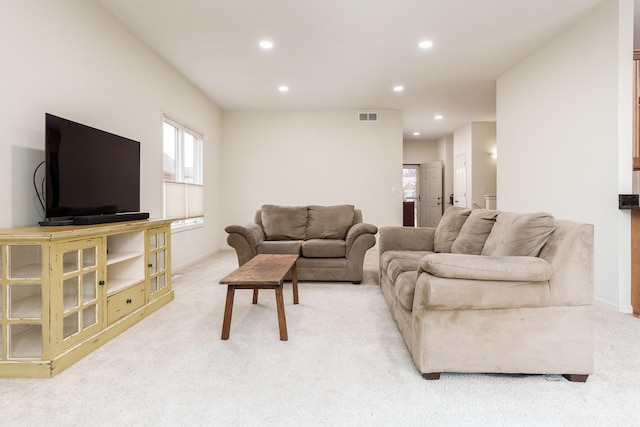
(124, 302)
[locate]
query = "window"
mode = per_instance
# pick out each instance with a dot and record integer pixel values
(182, 170)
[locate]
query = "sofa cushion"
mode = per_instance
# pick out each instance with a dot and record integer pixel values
(329, 222)
(388, 256)
(324, 248)
(449, 227)
(402, 265)
(476, 267)
(467, 294)
(279, 247)
(405, 288)
(519, 234)
(474, 232)
(284, 222)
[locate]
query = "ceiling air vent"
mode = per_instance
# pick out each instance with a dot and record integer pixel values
(368, 117)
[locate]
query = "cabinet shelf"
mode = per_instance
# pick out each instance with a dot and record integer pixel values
(26, 308)
(115, 285)
(28, 271)
(26, 342)
(116, 257)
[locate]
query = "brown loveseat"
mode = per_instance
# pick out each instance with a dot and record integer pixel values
(331, 240)
(492, 291)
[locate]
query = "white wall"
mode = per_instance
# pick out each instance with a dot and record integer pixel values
(445, 153)
(564, 137)
(484, 164)
(312, 157)
(72, 59)
(415, 152)
(477, 140)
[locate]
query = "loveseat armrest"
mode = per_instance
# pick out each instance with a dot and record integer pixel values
(359, 229)
(406, 238)
(244, 239)
(356, 231)
(479, 267)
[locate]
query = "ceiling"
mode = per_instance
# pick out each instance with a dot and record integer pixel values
(349, 54)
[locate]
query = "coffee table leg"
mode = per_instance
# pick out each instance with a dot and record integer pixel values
(228, 309)
(255, 295)
(282, 321)
(294, 283)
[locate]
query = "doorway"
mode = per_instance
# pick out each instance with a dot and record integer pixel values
(410, 194)
(460, 181)
(422, 203)
(430, 196)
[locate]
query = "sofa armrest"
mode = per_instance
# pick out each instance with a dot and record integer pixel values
(406, 238)
(478, 267)
(244, 239)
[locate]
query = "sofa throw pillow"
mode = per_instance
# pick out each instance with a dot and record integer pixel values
(329, 222)
(284, 222)
(517, 234)
(449, 227)
(474, 232)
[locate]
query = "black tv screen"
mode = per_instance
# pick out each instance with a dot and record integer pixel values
(89, 171)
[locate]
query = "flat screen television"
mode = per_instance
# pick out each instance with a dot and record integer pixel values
(91, 175)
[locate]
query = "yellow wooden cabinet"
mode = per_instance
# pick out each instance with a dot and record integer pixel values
(65, 291)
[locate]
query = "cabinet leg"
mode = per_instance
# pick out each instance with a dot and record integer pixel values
(228, 310)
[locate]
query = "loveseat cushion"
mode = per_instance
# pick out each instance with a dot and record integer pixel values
(449, 227)
(284, 222)
(324, 248)
(474, 232)
(405, 288)
(279, 247)
(519, 234)
(329, 222)
(478, 267)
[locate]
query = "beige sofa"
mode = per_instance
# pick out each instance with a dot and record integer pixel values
(492, 292)
(331, 240)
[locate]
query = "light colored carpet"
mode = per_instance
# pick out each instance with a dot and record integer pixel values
(345, 364)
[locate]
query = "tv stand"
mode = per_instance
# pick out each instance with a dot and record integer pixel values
(66, 291)
(102, 219)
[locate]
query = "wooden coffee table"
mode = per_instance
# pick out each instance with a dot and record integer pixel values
(261, 272)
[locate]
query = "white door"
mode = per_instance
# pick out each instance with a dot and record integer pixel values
(431, 194)
(460, 181)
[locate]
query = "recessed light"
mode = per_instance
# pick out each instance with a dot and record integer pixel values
(438, 117)
(283, 88)
(426, 44)
(416, 134)
(266, 44)
(398, 88)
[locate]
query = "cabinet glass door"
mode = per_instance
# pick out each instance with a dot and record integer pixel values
(81, 289)
(158, 261)
(21, 302)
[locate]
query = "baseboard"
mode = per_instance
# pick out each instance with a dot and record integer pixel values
(601, 303)
(176, 268)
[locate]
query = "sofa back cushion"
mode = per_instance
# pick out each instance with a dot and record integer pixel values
(474, 232)
(329, 222)
(519, 234)
(284, 222)
(449, 227)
